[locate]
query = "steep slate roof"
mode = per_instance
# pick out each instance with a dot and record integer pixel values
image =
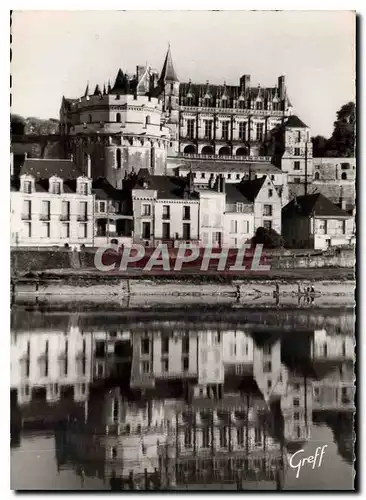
(170, 187)
(295, 122)
(314, 203)
(46, 168)
(103, 190)
(123, 84)
(234, 194)
(167, 187)
(250, 189)
(168, 73)
(232, 91)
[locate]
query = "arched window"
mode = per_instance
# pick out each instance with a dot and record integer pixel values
(118, 117)
(344, 176)
(90, 118)
(119, 159)
(317, 176)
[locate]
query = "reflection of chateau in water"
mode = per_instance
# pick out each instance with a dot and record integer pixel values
(185, 403)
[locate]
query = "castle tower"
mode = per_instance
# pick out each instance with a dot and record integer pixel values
(169, 85)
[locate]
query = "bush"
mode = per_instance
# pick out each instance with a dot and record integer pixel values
(269, 238)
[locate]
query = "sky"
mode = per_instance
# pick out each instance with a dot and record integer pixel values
(55, 53)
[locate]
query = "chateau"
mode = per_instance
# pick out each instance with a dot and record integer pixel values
(154, 122)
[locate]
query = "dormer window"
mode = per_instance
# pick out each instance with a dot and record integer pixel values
(84, 188)
(27, 187)
(56, 187)
(189, 100)
(224, 102)
(259, 105)
(241, 104)
(207, 102)
(276, 106)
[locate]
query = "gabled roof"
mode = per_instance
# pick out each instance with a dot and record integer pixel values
(167, 187)
(295, 122)
(250, 189)
(46, 168)
(316, 204)
(168, 73)
(103, 190)
(235, 195)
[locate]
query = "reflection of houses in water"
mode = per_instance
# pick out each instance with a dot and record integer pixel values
(120, 438)
(112, 354)
(296, 407)
(332, 347)
(336, 390)
(51, 365)
(163, 356)
(227, 442)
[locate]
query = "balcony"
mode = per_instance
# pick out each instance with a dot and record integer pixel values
(226, 157)
(64, 217)
(44, 217)
(82, 218)
(26, 216)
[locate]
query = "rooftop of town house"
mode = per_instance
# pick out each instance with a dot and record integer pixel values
(295, 122)
(103, 190)
(45, 168)
(228, 166)
(250, 188)
(313, 204)
(167, 187)
(234, 194)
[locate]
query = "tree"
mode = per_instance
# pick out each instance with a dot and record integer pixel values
(17, 124)
(269, 238)
(319, 145)
(343, 138)
(342, 141)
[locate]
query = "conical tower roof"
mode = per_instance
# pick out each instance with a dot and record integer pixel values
(97, 90)
(121, 83)
(168, 73)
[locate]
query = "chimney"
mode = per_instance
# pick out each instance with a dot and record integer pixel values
(245, 82)
(211, 181)
(11, 163)
(217, 183)
(281, 87)
(190, 182)
(88, 166)
(222, 184)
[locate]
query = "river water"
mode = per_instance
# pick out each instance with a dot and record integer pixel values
(181, 397)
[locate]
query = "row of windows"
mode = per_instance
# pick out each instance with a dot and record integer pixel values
(229, 176)
(230, 103)
(146, 211)
(28, 187)
(225, 127)
(46, 210)
(207, 437)
(317, 176)
(45, 230)
(119, 119)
